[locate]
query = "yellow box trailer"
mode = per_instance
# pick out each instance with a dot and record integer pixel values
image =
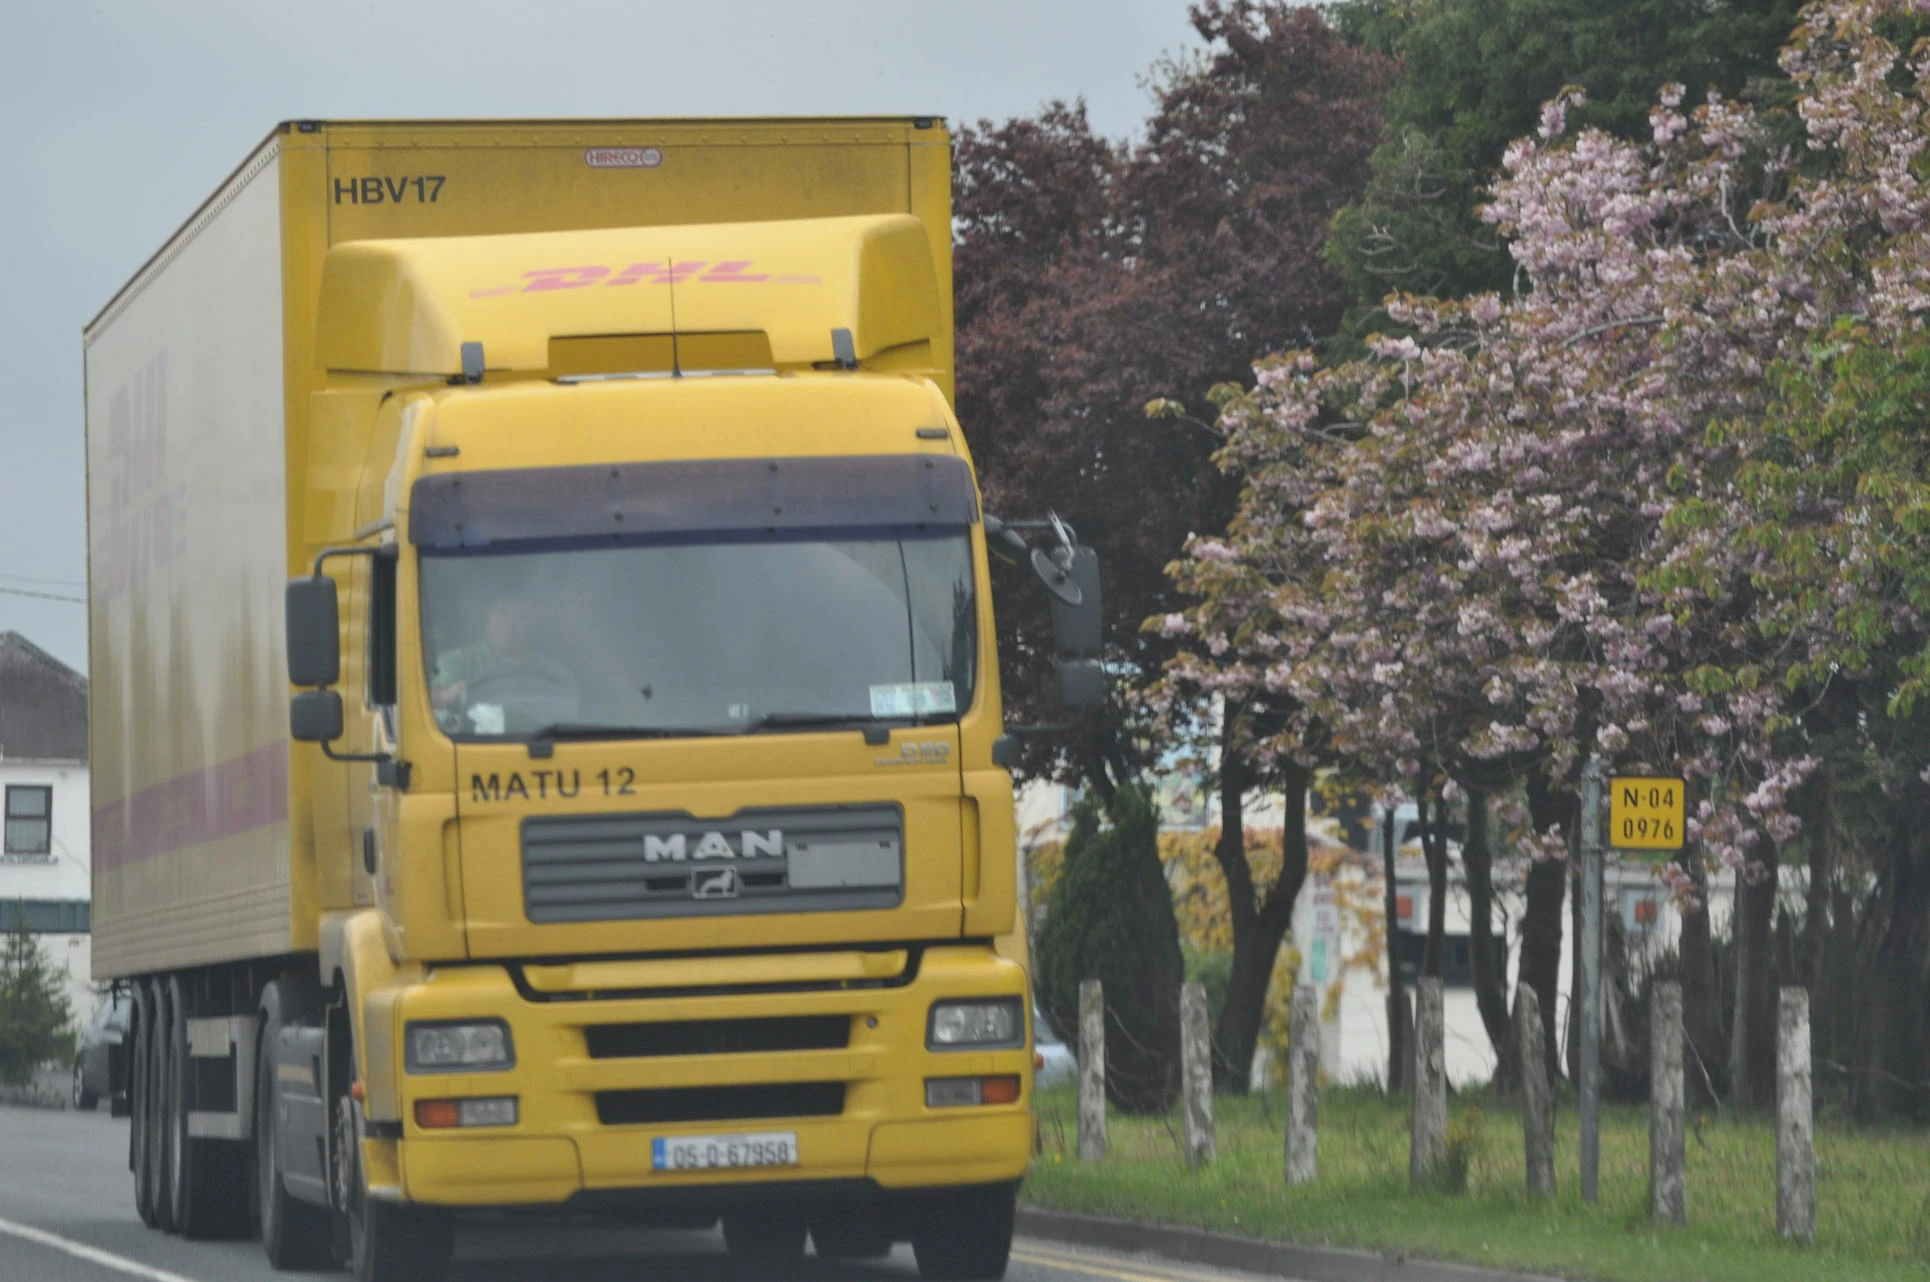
(546, 733)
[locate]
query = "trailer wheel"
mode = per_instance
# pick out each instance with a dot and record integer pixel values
(160, 1089)
(209, 1177)
(140, 1098)
(966, 1234)
(296, 1234)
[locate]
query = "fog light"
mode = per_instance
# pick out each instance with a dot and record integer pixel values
(950, 1092)
(497, 1111)
(962, 1092)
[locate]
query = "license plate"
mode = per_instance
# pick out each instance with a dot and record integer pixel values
(721, 1152)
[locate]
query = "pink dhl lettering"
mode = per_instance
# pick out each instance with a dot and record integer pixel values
(733, 271)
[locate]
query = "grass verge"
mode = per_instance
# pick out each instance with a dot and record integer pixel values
(1873, 1192)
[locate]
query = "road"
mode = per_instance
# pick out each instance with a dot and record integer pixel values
(66, 1215)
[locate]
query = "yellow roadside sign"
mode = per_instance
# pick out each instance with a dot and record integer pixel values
(1646, 812)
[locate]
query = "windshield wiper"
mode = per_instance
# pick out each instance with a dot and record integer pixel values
(585, 731)
(877, 730)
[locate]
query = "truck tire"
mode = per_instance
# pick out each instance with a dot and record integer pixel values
(209, 1177)
(388, 1241)
(140, 1100)
(160, 1088)
(766, 1234)
(296, 1234)
(966, 1235)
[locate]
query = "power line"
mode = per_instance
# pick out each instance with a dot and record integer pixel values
(58, 583)
(45, 596)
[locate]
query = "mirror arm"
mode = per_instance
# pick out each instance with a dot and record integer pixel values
(381, 552)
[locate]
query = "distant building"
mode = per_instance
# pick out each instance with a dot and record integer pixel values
(45, 871)
(1340, 909)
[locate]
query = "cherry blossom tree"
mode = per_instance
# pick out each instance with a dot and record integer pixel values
(1523, 535)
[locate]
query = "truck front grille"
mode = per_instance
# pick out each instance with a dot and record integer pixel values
(629, 867)
(719, 1037)
(720, 1103)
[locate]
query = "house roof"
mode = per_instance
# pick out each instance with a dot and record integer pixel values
(43, 704)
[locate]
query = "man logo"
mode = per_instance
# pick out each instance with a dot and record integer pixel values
(718, 884)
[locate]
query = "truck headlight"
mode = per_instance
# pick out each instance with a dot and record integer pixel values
(977, 1025)
(458, 1047)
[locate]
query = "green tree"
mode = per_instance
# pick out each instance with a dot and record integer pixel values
(1110, 918)
(35, 1019)
(1475, 74)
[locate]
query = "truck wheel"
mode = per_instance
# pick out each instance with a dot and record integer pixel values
(764, 1234)
(160, 1089)
(140, 1101)
(966, 1235)
(388, 1241)
(851, 1234)
(296, 1234)
(209, 1177)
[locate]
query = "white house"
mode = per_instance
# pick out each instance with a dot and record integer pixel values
(45, 811)
(1338, 911)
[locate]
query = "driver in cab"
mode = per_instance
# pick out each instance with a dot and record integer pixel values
(507, 665)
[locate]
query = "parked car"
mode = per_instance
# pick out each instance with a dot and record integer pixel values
(1056, 1063)
(100, 1060)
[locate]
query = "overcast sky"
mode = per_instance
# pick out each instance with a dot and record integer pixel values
(121, 115)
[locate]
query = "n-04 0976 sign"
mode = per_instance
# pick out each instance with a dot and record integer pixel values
(1646, 812)
(722, 1152)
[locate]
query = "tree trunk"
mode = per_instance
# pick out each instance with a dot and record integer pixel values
(1818, 820)
(1490, 975)
(1701, 1026)
(1541, 923)
(1890, 1072)
(1258, 925)
(1434, 850)
(1752, 1035)
(1399, 1076)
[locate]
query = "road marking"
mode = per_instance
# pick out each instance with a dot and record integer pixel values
(81, 1251)
(1086, 1264)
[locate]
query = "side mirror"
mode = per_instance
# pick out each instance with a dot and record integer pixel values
(1082, 683)
(1076, 623)
(314, 632)
(315, 716)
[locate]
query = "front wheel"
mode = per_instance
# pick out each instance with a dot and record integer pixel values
(966, 1235)
(388, 1241)
(84, 1099)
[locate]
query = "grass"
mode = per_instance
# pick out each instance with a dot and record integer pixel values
(1872, 1214)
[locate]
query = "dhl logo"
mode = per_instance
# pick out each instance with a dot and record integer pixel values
(702, 271)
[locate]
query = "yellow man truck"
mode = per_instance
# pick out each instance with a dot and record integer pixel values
(547, 745)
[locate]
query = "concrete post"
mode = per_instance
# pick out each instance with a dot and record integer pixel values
(1537, 1098)
(1590, 980)
(1668, 1176)
(1795, 1129)
(1196, 1073)
(1428, 1138)
(1092, 1070)
(1303, 1086)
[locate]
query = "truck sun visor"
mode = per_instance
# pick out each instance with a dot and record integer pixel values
(692, 496)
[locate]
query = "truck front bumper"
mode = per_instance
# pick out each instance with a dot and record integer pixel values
(594, 1089)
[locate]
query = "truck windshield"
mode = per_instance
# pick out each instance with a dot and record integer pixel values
(716, 635)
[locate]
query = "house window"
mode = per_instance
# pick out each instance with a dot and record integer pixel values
(30, 829)
(47, 916)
